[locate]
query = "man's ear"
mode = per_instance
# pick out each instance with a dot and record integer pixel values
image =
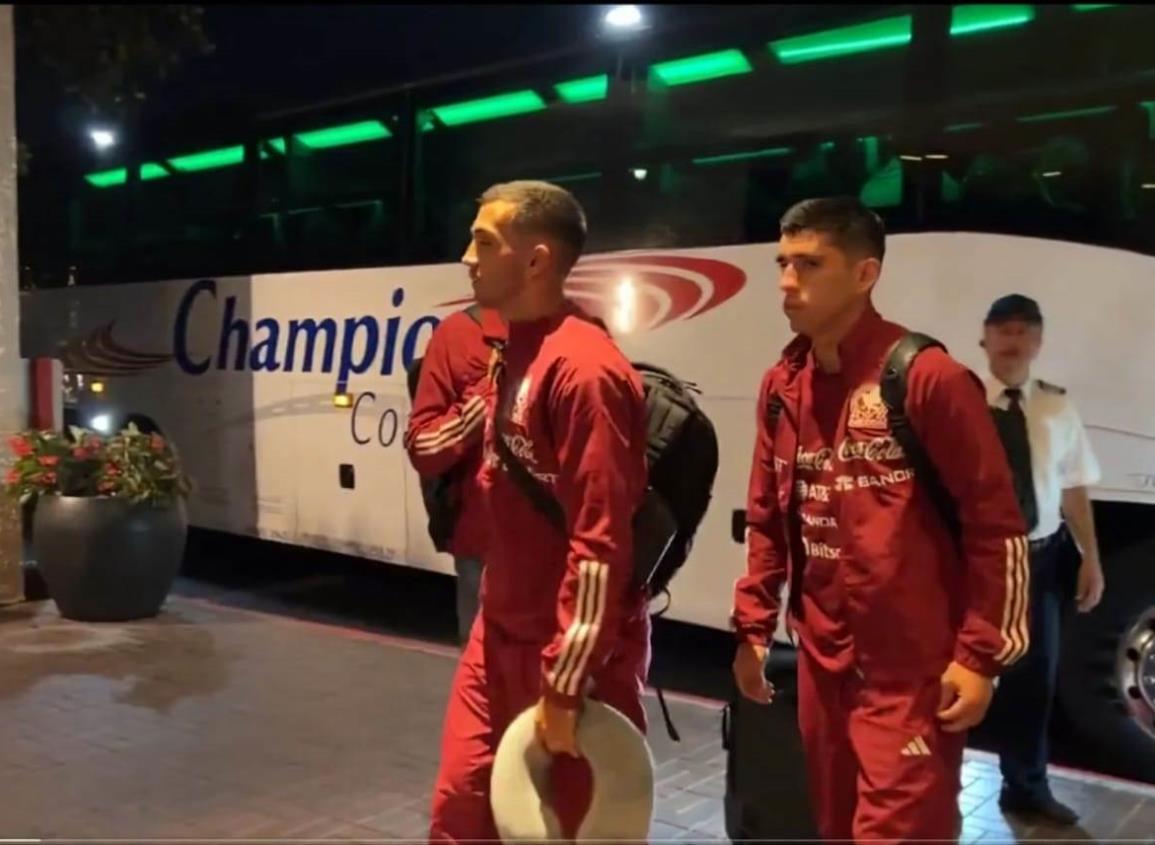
(539, 256)
(868, 272)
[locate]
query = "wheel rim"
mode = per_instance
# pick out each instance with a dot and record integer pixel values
(1136, 670)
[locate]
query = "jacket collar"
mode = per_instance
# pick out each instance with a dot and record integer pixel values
(862, 349)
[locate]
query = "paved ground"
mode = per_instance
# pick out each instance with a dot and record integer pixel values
(219, 722)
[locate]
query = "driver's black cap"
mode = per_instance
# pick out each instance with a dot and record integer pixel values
(1014, 306)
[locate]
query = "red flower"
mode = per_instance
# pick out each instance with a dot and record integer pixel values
(112, 470)
(20, 446)
(48, 478)
(105, 486)
(48, 460)
(157, 443)
(13, 476)
(81, 454)
(93, 441)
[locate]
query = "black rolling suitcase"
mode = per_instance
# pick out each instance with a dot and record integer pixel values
(766, 797)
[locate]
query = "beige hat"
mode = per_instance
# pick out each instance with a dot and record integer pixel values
(623, 780)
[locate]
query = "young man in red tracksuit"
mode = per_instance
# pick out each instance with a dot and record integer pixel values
(559, 620)
(901, 631)
(445, 431)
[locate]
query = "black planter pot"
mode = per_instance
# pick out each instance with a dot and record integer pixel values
(105, 560)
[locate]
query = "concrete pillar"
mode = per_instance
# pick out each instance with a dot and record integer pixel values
(13, 395)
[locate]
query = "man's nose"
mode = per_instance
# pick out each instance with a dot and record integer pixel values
(788, 279)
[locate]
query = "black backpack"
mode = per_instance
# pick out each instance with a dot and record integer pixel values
(682, 462)
(441, 494)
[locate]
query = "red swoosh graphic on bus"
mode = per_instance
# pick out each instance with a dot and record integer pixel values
(664, 287)
(100, 354)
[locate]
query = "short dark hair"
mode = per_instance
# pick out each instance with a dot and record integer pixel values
(544, 207)
(851, 225)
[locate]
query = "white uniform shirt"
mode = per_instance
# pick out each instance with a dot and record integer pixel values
(1061, 455)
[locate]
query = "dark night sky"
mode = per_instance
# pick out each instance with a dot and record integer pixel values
(269, 57)
(272, 57)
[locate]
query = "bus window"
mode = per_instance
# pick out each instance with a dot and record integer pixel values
(553, 123)
(1044, 171)
(189, 211)
(719, 156)
(328, 192)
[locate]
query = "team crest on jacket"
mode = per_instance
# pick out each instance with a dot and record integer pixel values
(867, 409)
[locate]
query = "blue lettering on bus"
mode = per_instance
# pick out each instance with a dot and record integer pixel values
(180, 327)
(351, 346)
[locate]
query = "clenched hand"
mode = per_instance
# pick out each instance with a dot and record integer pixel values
(749, 673)
(964, 699)
(556, 727)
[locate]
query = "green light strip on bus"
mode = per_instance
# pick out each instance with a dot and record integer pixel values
(702, 68)
(844, 41)
(963, 127)
(771, 152)
(277, 144)
(1091, 7)
(111, 178)
(967, 20)
(1149, 107)
(585, 90)
(1064, 115)
(151, 170)
(107, 178)
(870, 152)
(209, 159)
(341, 136)
(489, 108)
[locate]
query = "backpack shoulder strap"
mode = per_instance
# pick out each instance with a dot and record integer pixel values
(893, 387)
(543, 501)
(774, 412)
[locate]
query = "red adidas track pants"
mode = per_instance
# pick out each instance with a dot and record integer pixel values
(880, 769)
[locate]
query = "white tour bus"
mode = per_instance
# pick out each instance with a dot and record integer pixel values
(310, 261)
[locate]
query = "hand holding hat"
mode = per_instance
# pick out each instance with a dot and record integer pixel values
(555, 727)
(621, 806)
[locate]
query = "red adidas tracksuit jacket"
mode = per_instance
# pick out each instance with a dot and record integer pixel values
(882, 598)
(448, 416)
(558, 616)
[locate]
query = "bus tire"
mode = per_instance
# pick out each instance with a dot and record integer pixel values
(1106, 685)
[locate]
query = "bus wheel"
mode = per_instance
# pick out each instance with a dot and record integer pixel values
(1107, 676)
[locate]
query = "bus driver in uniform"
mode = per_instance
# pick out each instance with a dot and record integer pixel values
(1052, 465)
